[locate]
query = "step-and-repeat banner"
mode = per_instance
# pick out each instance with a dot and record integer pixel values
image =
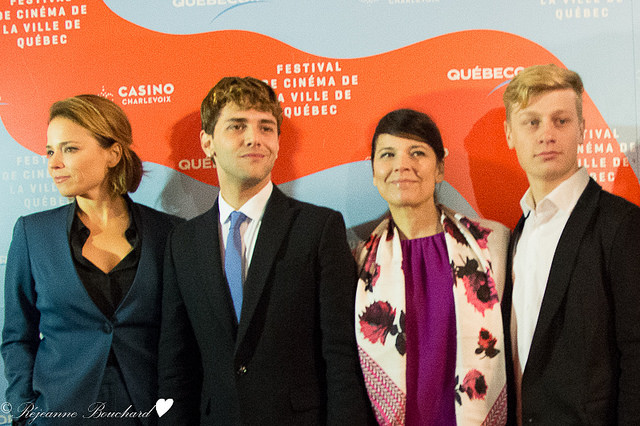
(338, 66)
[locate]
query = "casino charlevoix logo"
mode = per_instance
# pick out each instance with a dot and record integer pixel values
(141, 94)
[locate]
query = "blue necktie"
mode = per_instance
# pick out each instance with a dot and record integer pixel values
(233, 261)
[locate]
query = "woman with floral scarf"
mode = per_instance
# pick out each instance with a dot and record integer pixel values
(428, 319)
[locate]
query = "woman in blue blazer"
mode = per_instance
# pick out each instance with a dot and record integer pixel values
(83, 281)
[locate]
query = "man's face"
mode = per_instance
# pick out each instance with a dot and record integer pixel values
(244, 146)
(546, 135)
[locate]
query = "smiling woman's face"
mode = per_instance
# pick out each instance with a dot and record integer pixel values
(405, 171)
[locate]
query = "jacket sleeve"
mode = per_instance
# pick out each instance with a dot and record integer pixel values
(347, 402)
(179, 364)
(20, 335)
(624, 273)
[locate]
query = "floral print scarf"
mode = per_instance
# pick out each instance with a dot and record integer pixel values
(380, 308)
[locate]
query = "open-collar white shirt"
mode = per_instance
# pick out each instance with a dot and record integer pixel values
(254, 210)
(534, 253)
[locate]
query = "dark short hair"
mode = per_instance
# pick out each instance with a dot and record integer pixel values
(109, 125)
(410, 124)
(246, 93)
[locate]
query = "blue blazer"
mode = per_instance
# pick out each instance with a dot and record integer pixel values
(55, 341)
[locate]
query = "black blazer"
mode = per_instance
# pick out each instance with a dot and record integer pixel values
(292, 359)
(584, 363)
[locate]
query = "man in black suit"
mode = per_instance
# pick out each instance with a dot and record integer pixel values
(277, 347)
(573, 307)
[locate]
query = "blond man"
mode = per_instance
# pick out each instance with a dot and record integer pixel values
(572, 309)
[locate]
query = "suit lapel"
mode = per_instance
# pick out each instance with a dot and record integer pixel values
(73, 286)
(562, 267)
(208, 269)
(507, 294)
(146, 261)
(507, 318)
(274, 228)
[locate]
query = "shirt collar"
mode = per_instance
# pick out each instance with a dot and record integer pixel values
(564, 197)
(134, 222)
(253, 208)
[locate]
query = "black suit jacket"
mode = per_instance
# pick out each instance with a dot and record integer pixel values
(584, 363)
(292, 359)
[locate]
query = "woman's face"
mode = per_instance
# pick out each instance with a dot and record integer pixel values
(77, 163)
(405, 171)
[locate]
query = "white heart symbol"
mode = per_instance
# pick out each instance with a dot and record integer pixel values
(163, 405)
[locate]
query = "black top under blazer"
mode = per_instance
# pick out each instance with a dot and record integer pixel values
(56, 341)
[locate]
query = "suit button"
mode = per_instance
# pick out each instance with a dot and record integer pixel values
(528, 420)
(107, 327)
(241, 371)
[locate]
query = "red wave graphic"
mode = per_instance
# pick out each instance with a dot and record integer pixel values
(111, 53)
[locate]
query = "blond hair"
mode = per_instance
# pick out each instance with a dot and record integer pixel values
(538, 79)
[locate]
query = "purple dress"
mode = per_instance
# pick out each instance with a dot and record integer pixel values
(430, 326)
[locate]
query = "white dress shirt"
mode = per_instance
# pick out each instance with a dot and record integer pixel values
(534, 253)
(254, 210)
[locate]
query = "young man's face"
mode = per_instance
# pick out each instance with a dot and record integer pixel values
(546, 135)
(244, 146)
